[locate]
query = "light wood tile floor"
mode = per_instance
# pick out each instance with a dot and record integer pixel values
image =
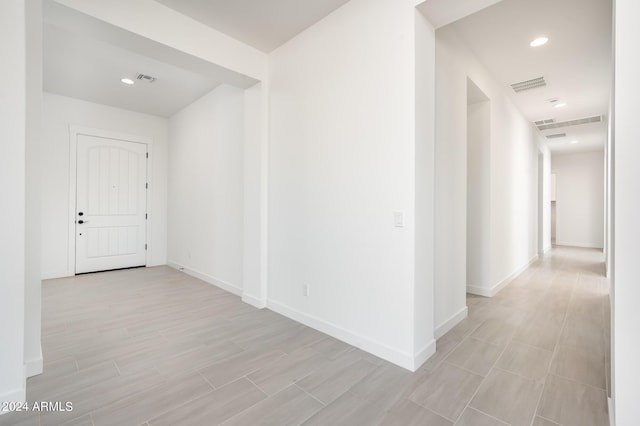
(157, 347)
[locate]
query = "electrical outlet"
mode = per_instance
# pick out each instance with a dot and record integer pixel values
(305, 290)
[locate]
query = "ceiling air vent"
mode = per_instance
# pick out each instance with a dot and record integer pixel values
(556, 136)
(529, 84)
(147, 78)
(595, 119)
(546, 121)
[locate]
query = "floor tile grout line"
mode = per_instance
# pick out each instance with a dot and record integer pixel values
(488, 415)
(550, 421)
(258, 387)
(467, 370)
(313, 396)
(439, 363)
(253, 405)
(483, 380)
(519, 375)
(439, 415)
(577, 382)
(123, 398)
(555, 351)
(429, 409)
(186, 402)
(530, 346)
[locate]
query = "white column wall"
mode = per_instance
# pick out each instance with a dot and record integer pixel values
(254, 259)
(342, 161)
(478, 193)
(12, 193)
(450, 186)
(33, 260)
(626, 152)
(424, 188)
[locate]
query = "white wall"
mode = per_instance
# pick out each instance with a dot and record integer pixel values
(206, 188)
(33, 260)
(13, 106)
(59, 113)
(547, 186)
(451, 186)
(515, 146)
(478, 192)
(255, 226)
(342, 160)
(513, 209)
(425, 51)
(626, 250)
(580, 199)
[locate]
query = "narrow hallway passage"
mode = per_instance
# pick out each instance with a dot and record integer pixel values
(541, 346)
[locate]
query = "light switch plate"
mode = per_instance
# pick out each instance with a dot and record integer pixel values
(398, 219)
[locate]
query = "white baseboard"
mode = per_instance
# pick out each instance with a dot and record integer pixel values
(18, 395)
(492, 291)
(423, 355)
(254, 301)
(479, 291)
(395, 356)
(444, 328)
(581, 245)
(34, 367)
(56, 275)
(544, 250)
(231, 288)
(612, 412)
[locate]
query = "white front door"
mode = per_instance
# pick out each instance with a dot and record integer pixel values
(111, 204)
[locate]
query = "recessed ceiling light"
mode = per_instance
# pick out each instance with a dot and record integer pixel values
(127, 81)
(573, 142)
(539, 42)
(560, 105)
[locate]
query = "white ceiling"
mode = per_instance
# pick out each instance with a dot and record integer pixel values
(85, 58)
(262, 24)
(589, 137)
(576, 62)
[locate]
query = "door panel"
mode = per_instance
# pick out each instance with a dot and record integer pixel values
(110, 204)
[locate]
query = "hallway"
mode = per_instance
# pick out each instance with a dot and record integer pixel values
(157, 347)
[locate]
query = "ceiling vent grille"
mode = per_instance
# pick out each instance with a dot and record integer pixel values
(556, 136)
(595, 119)
(147, 78)
(529, 84)
(546, 121)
